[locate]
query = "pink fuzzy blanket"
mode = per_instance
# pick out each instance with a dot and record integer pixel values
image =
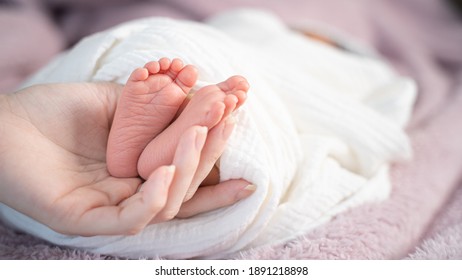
(421, 220)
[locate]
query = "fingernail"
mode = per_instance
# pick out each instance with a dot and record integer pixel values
(229, 127)
(169, 170)
(201, 135)
(246, 192)
(168, 175)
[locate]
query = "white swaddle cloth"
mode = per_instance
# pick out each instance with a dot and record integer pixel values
(316, 135)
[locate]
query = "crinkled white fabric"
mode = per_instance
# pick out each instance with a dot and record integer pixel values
(316, 135)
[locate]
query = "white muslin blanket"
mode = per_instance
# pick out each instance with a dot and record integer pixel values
(316, 136)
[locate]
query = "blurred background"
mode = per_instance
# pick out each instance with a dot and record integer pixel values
(34, 31)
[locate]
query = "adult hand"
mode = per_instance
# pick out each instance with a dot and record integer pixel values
(52, 165)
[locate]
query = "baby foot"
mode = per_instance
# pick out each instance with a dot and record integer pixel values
(207, 107)
(148, 103)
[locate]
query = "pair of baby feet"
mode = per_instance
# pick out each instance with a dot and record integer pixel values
(154, 111)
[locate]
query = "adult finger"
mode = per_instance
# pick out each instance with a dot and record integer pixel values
(186, 160)
(214, 197)
(213, 148)
(131, 216)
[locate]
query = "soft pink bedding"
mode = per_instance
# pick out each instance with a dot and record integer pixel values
(421, 220)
